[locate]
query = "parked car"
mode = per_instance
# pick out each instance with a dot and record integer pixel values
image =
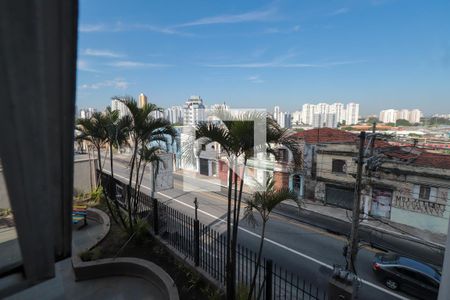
(408, 275)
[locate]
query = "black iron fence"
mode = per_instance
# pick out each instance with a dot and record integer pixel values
(206, 247)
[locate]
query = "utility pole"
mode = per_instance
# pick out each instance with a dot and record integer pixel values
(353, 242)
(372, 141)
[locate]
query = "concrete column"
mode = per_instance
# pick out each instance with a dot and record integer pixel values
(444, 289)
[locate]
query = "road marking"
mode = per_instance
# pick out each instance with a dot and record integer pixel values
(276, 243)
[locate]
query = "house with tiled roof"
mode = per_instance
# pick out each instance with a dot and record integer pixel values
(405, 185)
(329, 169)
(410, 186)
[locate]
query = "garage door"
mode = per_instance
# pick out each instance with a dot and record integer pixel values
(338, 196)
(204, 166)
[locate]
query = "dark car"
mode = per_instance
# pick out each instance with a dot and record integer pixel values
(408, 275)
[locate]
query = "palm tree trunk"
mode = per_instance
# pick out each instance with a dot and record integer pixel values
(137, 188)
(90, 170)
(99, 165)
(230, 290)
(130, 181)
(111, 164)
(236, 215)
(258, 261)
(155, 173)
(234, 231)
(100, 184)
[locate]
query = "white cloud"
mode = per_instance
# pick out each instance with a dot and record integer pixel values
(254, 79)
(117, 83)
(101, 53)
(278, 64)
(148, 27)
(136, 64)
(339, 11)
(252, 16)
(275, 30)
(92, 27)
(120, 27)
(83, 65)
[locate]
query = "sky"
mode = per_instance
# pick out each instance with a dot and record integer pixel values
(257, 54)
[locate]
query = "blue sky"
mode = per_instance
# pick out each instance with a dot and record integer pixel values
(379, 53)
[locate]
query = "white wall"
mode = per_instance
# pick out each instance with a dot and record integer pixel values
(164, 179)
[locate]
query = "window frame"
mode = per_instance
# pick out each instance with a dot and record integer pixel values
(334, 161)
(427, 189)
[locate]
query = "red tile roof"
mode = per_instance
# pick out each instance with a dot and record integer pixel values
(419, 157)
(326, 135)
(331, 135)
(433, 160)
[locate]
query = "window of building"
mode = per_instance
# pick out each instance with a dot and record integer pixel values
(282, 155)
(338, 166)
(424, 193)
(203, 147)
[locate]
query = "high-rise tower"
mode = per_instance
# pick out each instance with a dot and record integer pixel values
(142, 100)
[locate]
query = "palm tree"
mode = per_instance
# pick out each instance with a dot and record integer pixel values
(93, 130)
(150, 155)
(263, 203)
(236, 135)
(117, 132)
(145, 129)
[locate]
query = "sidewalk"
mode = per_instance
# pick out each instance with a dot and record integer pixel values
(377, 224)
(385, 235)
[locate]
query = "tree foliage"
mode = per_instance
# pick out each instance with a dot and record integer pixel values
(241, 136)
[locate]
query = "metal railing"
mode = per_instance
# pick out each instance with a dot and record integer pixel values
(206, 248)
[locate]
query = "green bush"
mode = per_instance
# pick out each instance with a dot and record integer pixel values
(97, 195)
(4, 212)
(242, 292)
(141, 230)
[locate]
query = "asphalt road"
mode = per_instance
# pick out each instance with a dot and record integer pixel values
(303, 249)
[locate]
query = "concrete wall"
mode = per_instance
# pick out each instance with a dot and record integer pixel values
(81, 180)
(406, 207)
(84, 177)
(164, 180)
(421, 221)
(4, 199)
(325, 162)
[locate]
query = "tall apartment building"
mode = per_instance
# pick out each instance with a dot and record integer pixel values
(330, 114)
(352, 113)
(86, 113)
(142, 100)
(308, 111)
(388, 116)
(194, 110)
(324, 120)
(403, 114)
(414, 116)
(392, 115)
(339, 110)
(285, 120)
(297, 117)
(282, 118)
(174, 114)
(119, 106)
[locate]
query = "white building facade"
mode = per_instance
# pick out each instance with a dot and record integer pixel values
(119, 106)
(194, 111)
(392, 115)
(329, 115)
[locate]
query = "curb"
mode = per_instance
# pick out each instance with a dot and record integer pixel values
(121, 266)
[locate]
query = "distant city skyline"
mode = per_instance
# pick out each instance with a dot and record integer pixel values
(381, 54)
